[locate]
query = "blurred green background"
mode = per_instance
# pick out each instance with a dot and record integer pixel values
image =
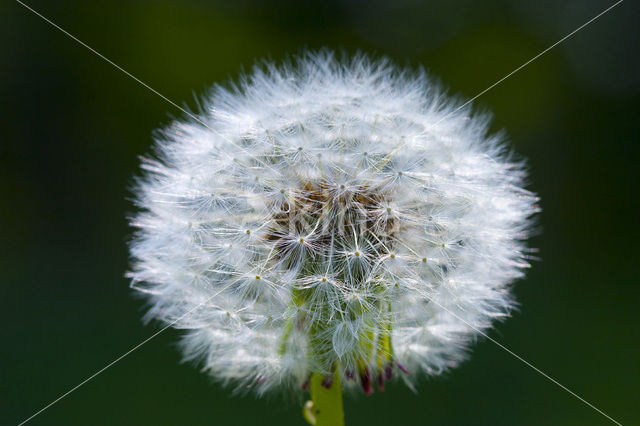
(73, 127)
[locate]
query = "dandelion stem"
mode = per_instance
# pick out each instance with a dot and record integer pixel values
(325, 407)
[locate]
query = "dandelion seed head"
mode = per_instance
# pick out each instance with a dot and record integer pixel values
(330, 216)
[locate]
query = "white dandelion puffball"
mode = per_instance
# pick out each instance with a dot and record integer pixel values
(330, 217)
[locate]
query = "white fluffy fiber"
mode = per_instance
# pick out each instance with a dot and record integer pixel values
(329, 215)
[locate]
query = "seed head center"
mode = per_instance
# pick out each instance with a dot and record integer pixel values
(338, 222)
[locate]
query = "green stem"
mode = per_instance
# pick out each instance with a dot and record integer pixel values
(325, 407)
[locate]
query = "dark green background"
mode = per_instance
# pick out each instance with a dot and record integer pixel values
(72, 128)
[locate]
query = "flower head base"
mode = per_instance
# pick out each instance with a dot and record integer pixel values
(330, 217)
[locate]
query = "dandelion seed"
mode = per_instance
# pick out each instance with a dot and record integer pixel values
(326, 300)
